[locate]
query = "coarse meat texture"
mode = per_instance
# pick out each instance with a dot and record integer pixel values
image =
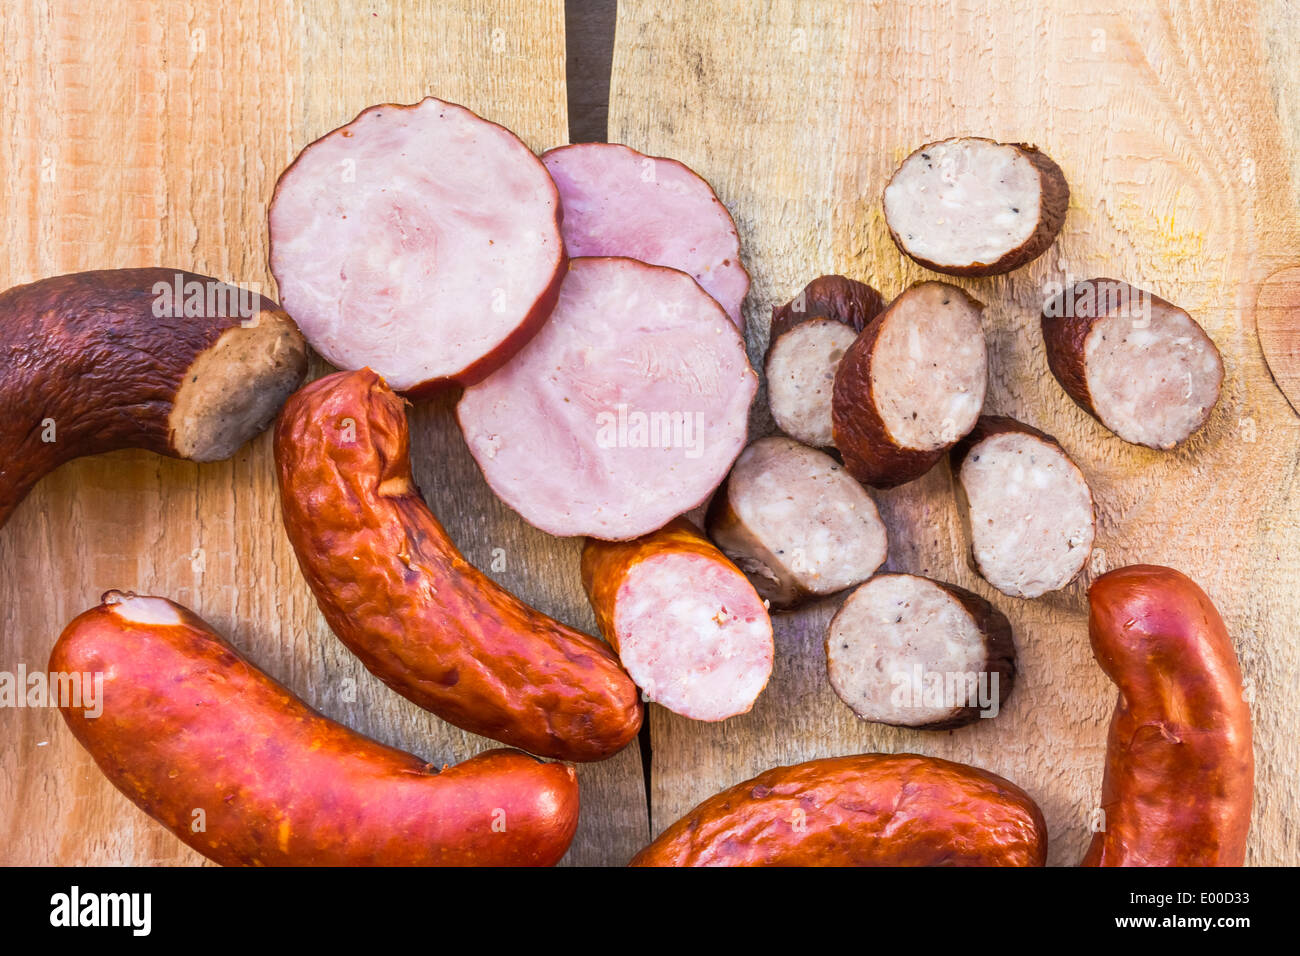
(796, 522)
(687, 625)
(912, 652)
(190, 731)
(1137, 363)
(1026, 505)
(865, 810)
(421, 241)
(619, 202)
(911, 385)
(970, 206)
(400, 596)
(626, 411)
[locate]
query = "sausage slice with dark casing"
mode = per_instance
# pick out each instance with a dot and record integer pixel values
(796, 522)
(910, 385)
(244, 772)
(1027, 508)
(809, 336)
(969, 206)
(619, 202)
(688, 627)
(177, 363)
(865, 810)
(1180, 765)
(421, 241)
(1138, 364)
(624, 412)
(913, 652)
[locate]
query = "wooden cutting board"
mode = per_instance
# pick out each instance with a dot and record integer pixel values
(1178, 127)
(152, 134)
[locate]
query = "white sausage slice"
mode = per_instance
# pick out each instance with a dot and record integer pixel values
(912, 652)
(422, 241)
(1027, 507)
(970, 206)
(1138, 364)
(794, 520)
(619, 202)
(626, 410)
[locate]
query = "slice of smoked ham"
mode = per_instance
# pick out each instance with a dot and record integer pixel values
(626, 410)
(422, 241)
(618, 202)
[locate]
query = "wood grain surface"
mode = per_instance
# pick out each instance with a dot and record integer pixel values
(1178, 127)
(152, 133)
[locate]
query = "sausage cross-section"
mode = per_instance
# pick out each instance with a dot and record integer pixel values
(422, 241)
(177, 363)
(396, 591)
(969, 206)
(619, 202)
(244, 772)
(687, 625)
(1138, 364)
(809, 335)
(1027, 508)
(910, 385)
(1180, 767)
(867, 810)
(913, 652)
(795, 521)
(624, 412)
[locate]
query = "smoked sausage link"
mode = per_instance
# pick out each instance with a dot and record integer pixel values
(395, 590)
(244, 772)
(1180, 770)
(866, 810)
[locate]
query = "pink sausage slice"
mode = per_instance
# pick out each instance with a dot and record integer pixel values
(618, 202)
(422, 241)
(625, 411)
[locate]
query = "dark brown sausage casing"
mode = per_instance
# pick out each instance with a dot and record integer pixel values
(867, 810)
(396, 591)
(1180, 769)
(240, 769)
(176, 363)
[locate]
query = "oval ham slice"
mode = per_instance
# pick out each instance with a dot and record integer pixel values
(422, 241)
(625, 411)
(618, 202)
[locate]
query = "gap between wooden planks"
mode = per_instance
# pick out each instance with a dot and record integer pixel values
(144, 133)
(1178, 126)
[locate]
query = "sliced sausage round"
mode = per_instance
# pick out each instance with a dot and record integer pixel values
(796, 523)
(1027, 507)
(970, 206)
(809, 336)
(912, 652)
(618, 202)
(687, 625)
(1138, 364)
(625, 411)
(422, 241)
(910, 385)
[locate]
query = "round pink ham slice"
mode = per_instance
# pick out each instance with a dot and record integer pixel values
(618, 202)
(626, 410)
(422, 241)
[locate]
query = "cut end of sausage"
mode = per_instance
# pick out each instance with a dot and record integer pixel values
(911, 385)
(1028, 508)
(625, 411)
(912, 652)
(422, 241)
(233, 389)
(619, 202)
(970, 206)
(693, 635)
(797, 523)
